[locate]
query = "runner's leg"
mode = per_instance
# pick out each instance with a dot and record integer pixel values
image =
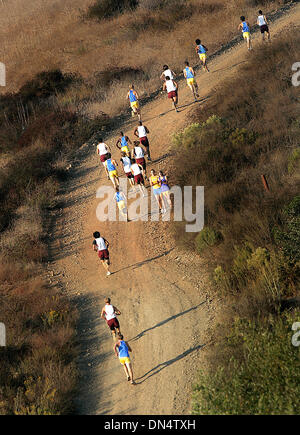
(129, 367)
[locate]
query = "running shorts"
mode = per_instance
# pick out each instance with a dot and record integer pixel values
(121, 205)
(134, 105)
(113, 323)
(141, 162)
(202, 56)
(144, 141)
(157, 191)
(264, 28)
(113, 174)
(246, 35)
(124, 360)
(172, 94)
(139, 179)
(129, 174)
(104, 254)
(103, 157)
(191, 81)
(125, 149)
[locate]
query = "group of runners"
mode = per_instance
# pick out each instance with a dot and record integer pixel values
(134, 166)
(263, 24)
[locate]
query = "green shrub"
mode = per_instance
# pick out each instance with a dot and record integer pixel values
(288, 235)
(262, 378)
(294, 161)
(207, 238)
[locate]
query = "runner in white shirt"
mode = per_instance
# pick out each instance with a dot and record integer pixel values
(141, 132)
(126, 162)
(171, 87)
(100, 245)
(263, 25)
(110, 313)
(137, 171)
(167, 72)
(102, 150)
(139, 155)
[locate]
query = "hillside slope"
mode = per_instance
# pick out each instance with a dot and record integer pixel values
(162, 293)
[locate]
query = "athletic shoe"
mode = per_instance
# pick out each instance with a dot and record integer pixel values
(108, 273)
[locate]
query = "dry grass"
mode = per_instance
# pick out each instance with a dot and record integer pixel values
(51, 34)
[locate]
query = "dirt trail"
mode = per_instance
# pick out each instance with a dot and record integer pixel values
(162, 293)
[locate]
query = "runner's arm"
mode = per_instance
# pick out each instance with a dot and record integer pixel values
(174, 74)
(127, 138)
(118, 312)
(115, 348)
(102, 313)
(146, 128)
(129, 348)
(266, 20)
(117, 144)
(106, 242)
(135, 132)
(95, 246)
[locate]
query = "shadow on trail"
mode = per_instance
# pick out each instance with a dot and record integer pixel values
(90, 357)
(141, 263)
(167, 363)
(163, 322)
(201, 100)
(229, 67)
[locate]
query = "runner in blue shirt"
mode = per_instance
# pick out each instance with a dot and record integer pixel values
(122, 349)
(201, 50)
(245, 28)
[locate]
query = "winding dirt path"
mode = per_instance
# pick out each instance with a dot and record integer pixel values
(163, 294)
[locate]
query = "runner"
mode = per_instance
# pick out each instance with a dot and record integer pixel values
(167, 72)
(112, 170)
(133, 97)
(101, 245)
(122, 143)
(263, 25)
(189, 74)
(126, 162)
(122, 349)
(201, 50)
(110, 313)
(137, 171)
(139, 155)
(103, 149)
(171, 87)
(141, 132)
(155, 184)
(165, 189)
(121, 201)
(245, 28)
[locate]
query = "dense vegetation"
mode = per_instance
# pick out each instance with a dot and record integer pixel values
(252, 235)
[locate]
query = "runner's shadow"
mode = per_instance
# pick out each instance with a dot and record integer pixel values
(141, 263)
(163, 322)
(167, 363)
(202, 100)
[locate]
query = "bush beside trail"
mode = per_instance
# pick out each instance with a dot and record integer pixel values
(252, 236)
